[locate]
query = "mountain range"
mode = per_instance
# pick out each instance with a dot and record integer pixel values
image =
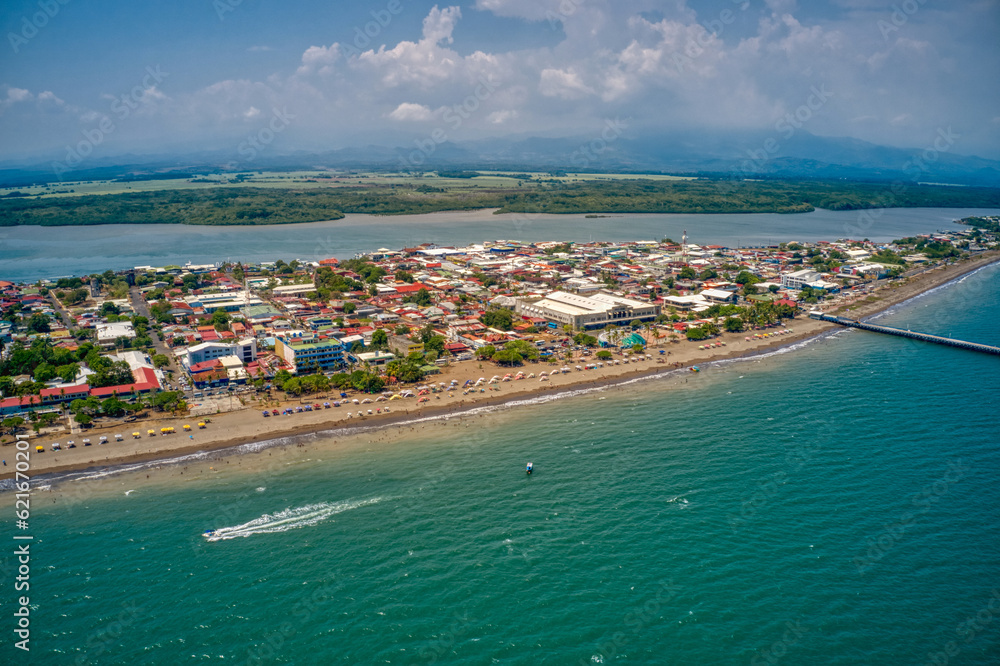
(785, 153)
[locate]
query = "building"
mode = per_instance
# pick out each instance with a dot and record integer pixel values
(719, 295)
(593, 311)
(230, 301)
(245, 350)
(308, 357)
(375, 359)
(293, 290)
(108, 333)
(405, 346)
(799, 279)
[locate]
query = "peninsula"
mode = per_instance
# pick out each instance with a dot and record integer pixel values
(156, 362)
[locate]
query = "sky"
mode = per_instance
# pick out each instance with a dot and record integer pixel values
(117, 77)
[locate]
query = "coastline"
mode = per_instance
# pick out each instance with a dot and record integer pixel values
(237, 432)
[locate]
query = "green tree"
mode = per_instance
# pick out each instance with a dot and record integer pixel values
(45, 372)
(696, 333)
(498, 318)
(12, 424)
(486, 351)
(507, 357)
(114, 407)
(38, 323)
(733, 324)
(604, 354)
(220, 320)
(380, 339)
(687, 273)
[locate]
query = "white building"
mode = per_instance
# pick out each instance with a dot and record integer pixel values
(799, 279)
(108, 333)
(230, 302)
(594, 311)
(244, 350)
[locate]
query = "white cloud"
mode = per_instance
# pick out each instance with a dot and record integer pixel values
(319, 59)
(409, 112)
(502, 116)
(603, 59)
(564, 83)
(15, 95)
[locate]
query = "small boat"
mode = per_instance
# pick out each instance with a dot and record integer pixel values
(530, 467)
(209, 533)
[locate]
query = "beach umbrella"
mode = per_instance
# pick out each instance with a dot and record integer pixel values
(136, 435)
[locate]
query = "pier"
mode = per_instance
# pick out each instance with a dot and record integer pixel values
(888, 330)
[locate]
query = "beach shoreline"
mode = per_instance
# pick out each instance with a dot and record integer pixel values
(229, 430)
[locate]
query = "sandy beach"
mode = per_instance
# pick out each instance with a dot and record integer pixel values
(247, 425)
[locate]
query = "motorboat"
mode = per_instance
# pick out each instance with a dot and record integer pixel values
(529, 468)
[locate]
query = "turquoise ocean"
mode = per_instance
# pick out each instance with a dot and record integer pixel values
(837, 503)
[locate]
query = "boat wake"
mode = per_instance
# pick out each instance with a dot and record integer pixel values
(289, 519)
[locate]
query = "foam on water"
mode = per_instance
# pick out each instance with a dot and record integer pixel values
(289, 519)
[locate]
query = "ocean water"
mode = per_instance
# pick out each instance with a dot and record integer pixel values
(835, 504)
(31, 253)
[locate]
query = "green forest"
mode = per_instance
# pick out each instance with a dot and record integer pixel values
(249, 206)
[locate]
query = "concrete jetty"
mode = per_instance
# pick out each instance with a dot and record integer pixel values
(914, 335)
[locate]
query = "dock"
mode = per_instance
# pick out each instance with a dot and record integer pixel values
(913, 335)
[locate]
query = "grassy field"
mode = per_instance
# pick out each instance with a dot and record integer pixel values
(488, 180)
(308, 196)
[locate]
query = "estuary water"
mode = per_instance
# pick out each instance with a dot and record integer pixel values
(33, 253)
(834, 504)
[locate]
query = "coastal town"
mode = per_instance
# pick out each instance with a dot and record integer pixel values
(109, 356)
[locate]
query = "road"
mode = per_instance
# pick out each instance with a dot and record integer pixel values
(141, 309)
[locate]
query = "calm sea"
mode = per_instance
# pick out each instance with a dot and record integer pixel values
(837, 504)
(33, 253)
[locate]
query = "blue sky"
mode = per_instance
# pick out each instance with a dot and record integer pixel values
(205, 74)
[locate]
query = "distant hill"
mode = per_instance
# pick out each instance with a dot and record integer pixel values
(730, 154)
